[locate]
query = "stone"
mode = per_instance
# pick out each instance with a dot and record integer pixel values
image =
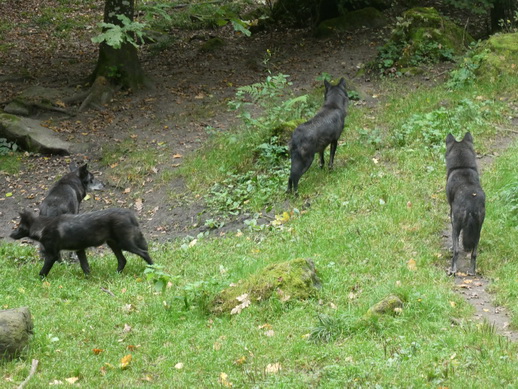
(31, 136)
(295, 279)
(15, 328)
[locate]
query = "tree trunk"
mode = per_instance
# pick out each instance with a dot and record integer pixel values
(15, 328)
(120, 66)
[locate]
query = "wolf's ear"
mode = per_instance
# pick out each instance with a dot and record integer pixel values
(342, 82)
(450, 138)
(26, 215)
(83, 170)
(327, 84)
(468, 137)
(72, 166)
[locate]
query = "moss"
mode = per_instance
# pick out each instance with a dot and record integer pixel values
(423, 36)
(212, 44)
(389, 305)
(8, 117)
(501, 56)
(294, 279)
(350, 21)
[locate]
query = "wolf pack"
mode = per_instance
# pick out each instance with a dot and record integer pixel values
(59, 225)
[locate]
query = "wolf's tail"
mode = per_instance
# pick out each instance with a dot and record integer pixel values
(471, 231)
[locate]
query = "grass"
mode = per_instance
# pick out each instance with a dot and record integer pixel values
(373, 228)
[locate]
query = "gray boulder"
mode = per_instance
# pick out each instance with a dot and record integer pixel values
(31, 136)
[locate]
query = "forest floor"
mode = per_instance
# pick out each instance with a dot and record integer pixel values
(191, 88)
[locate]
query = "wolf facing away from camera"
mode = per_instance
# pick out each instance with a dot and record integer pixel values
(317, 133)
(466, 198)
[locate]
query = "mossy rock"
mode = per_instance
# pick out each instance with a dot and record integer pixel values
(501, 56)
(350, 21)
(388, 306)
(291, 280)
(284, 130)
(423, 35)
(212, 44)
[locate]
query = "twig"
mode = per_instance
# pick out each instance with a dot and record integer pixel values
(31, 373)
(506, 129)
(107, 291)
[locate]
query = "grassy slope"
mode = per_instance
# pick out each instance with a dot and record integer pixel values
(367, 220)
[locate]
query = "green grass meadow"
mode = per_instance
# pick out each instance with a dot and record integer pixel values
(373, 226)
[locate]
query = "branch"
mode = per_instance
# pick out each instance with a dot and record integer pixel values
(31, 373)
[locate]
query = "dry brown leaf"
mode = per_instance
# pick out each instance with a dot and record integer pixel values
(127, 190)
(125, 361)
(97, 351)
(176, 156)
(138, 205)
(223, 380)
(72, 380)
(411, 264)
(273, 368)
(240, 361)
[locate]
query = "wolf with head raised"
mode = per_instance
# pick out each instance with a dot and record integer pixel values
(66, 194)
(317, 133)
(466, 198)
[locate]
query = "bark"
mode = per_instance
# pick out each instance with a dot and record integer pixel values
(15, 328)
(120, 66)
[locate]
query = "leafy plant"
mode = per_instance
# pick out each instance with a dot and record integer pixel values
(115, 35)
(465, 73)
(6, 147)
(509, 195)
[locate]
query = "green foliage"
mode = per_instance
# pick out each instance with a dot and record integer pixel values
(508, 195)
(428, 130)
(115, 35)
(465, 72)
(6, 147)
(257, 187)
(509, 25)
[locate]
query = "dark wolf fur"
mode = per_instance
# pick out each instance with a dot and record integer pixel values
(465, 196)
(117, 227)
(316, 134)
(66, 195)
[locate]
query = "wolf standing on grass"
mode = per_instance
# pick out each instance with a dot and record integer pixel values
(465, 196)
(314, 135)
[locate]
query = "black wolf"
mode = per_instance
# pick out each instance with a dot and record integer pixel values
(66, 195)
(117, 227)
(314, 135)
(465, 196)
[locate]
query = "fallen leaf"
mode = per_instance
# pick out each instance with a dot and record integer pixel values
(266, 325)
(127, 328)
(8, 194)
(223, 380)
(178, 366)
(56, 382)
(138, 205)
(125, 361)
(270, 333)
(273, 368)
(245, 302)
(176, 156)
(453, 304)
(72, 380)
(97, 351)
(411, 264)
(240, 361)
(127, 190)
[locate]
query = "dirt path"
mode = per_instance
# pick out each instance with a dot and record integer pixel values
(474, 289)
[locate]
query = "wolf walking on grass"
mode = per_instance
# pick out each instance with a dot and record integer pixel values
(117, 227)
(466, 198)
(316, 134)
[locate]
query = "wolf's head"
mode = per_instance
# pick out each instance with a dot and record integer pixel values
(336, 94)
(87, 178)
(460, 155)
(24, 228)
